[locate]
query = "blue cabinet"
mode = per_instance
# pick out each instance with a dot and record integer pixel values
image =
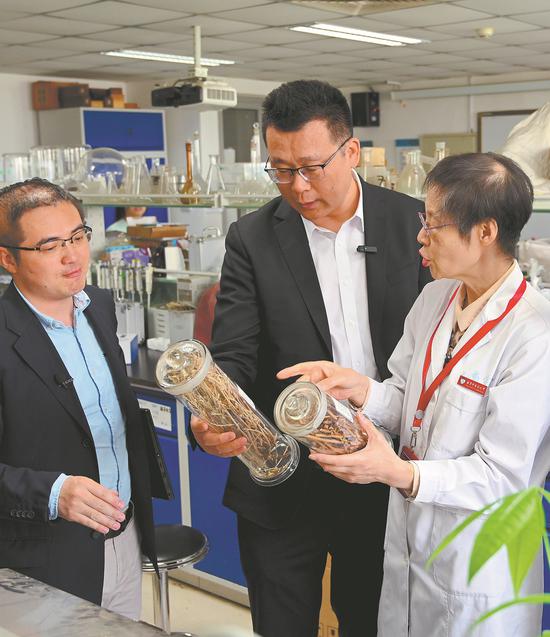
(207, 477)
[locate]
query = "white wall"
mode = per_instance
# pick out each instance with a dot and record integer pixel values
(18, 121)
(414, 117)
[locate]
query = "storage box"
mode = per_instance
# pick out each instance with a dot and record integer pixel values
(176, 325)
(129, 346)
(45, 95)
(190, 288)
(70, 96)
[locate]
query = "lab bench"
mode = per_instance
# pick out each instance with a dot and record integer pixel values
(199, 481)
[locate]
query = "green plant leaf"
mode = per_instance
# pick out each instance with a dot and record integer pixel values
(517, 522)
(523, 549)
(542, 598)
(447, 540)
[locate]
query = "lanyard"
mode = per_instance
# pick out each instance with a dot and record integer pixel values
(426, 394)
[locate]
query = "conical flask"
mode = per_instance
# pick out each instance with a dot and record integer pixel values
(214, 180)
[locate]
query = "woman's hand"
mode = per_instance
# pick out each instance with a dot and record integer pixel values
(340, 382)
(377, 462)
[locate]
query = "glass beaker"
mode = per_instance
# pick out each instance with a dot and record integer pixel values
(186, 370)
(47, 163)
(16, 167)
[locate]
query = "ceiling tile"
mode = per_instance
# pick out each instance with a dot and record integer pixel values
(528, 37)
(374, 65)
(480, 66)
(16, 53)
(500, 25)
(220, 45)
(134, 35)
(201, 6)
(431, 15)
(41, 6)
(541, 19)
(269, 53)
(540, 60)
(437, 59)
(81, 44)
(274, 35)
(209, 25)
(541, 46)
(498, 52)
(12, 15)
(505, 7)
(459, 45)
(21, 37)
(274, 15)
(57, 26)
(334, 45)
(119, 13)
(327, 58)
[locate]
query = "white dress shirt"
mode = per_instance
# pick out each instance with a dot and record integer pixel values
(343, 279)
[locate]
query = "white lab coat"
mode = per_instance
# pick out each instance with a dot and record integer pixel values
(474, 450)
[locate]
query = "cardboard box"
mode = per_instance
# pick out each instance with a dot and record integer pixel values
(78, 95)
(45, 95)
(96, 103)
(158, 232)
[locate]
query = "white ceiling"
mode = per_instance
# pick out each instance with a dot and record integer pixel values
(65, 38)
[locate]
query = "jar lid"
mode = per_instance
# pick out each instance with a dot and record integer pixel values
(183, 366)
(300, 408)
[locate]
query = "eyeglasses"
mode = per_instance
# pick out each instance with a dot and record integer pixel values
(427, 228)
(52, 246)
(307, 173)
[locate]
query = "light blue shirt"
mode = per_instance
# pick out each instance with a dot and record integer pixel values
(82, 356)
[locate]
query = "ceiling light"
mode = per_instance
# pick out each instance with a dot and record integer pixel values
(359, 35)
(164, 57)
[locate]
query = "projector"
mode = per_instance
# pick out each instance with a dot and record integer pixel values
(204, 95)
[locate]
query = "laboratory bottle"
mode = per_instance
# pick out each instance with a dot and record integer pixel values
(190, 187)
(214, 180)
(412, 176)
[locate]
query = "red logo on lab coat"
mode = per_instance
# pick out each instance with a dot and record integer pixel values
(472, 385)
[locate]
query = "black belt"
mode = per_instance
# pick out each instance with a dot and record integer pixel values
(128, 513)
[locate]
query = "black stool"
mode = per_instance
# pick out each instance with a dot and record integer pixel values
(177, 545)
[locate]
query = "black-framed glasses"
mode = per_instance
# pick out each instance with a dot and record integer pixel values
(51, 246)
(427, 228)
(307, 173)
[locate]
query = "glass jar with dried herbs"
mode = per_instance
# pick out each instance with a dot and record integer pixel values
(317, 420)
(186, 370)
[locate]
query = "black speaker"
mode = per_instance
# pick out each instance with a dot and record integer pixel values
(365, 109)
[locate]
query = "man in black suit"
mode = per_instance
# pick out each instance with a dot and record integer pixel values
(75, 500)
(327, 271)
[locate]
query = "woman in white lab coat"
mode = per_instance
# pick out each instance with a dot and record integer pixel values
(484, 432)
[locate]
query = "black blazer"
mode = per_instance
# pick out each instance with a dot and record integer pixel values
(44, 432)
(270, 314)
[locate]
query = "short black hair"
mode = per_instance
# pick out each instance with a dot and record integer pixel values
(475, 187)
(292, 105)
(18, 198)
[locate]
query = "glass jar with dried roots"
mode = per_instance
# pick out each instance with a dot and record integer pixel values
(317, 420)
(186, 370)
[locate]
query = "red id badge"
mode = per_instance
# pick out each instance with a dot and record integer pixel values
(408, 454)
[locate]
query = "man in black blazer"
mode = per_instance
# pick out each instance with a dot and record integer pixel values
(293, 287)
(68, 417)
